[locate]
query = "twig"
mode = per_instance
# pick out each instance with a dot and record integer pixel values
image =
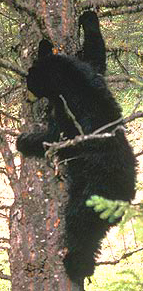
(133, 116)
(7, 65)
(55, 146)
(112, 79)
(137, 104)
(129, 10)
(131, 78)
(22, 8)
(9, 90)
(4, 207)
(136, 81)
(12, 132)
(124, 256)
(139, 154)
(81, 138)
(10, 18)
(9, 115)
(4, 240)
(71, 115)
(117, 51)
(78, 126)
(110, 124)
(5, 277)
(110, 248)
(109, 3)
(121, 65)
(132, 224)
(3, 216)
(32, 13)
(2, 171)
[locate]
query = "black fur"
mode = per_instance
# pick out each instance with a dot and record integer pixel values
(45, 47)
(103, 167)
(93, 51)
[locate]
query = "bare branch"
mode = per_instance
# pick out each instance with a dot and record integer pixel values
(2, 171)
(121, 65)
(123, 49)
(124, 256)
(4, 240)
(112, 79)
(137, 104)
(83, 138)
(9, 90)
(54, 147)
(129, 10)
(3, 216)
(109, 3)
(10, 18)
(133, 116)
(12, 132)
(108, 125)
(32, 13)
(130, 78)
(71, 115)
(5, 277)
(122, 7)
(139, 154)
(9, 116)
(7, 65)
(136, 81)
(4, 207)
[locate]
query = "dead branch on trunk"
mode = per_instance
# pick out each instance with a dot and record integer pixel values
(8, 66)
(115, 262)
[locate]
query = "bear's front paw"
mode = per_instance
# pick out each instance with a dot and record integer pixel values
(20, 140)
(31, 144)
(22, 143)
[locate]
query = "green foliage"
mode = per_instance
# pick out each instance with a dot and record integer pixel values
(126, 280)
(109, 209)
(118, 32)
(9, 30)
(9, 41)
(5, 285)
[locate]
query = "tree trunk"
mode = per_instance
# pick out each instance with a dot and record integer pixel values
(37, 215)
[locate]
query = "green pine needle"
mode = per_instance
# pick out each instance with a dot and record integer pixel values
(109, 209)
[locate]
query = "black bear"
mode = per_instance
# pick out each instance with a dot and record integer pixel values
(104, 167)
(93, 50)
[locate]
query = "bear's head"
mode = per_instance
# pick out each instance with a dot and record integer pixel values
(41, 74)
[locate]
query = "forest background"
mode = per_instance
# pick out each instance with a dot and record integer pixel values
(120, 264)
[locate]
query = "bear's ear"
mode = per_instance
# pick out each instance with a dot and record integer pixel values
(89, 20)
(45, 48)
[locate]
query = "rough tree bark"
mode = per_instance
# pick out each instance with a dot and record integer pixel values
(37, 215)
